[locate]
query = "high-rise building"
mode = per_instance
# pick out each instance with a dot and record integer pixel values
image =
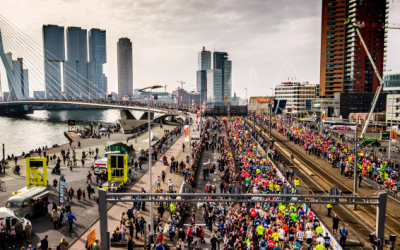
(222, 81)
(204, 61)
(76, 66)
(54, 55)
(345, 66)
(125, 74)
(97, 57)
(18, 77)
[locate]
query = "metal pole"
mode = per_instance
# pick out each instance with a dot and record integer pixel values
(321, 116)
(380, 219)
(190, 142)
(355, 165)
(103, 220)
(150, 170)
(391, 126)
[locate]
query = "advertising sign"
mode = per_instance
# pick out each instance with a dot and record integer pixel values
(117, 167)
(385, 135)
(186, 127)
(394, 133)
(36, 172)
(91, 238)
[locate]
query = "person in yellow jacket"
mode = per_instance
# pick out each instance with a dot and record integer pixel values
(329, 207)
(260, 231)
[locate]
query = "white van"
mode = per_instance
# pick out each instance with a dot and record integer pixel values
(9, 218)
(100, 165)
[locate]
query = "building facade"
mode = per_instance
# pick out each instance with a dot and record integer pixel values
(345, 66)
(204, 64)
(391, 81)
(54, 56)
(125, 74)
(297, 95)
(97, 57)
(76, 67)
(224, 85)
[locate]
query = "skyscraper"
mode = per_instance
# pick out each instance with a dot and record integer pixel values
(97, 57)
(222, 81)
(204, 61)
(54, 55)
(345, 66)
(125, 75)
(76, 66)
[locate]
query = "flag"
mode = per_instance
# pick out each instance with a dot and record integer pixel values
(186, 127)
(192, 102)
(323, 116)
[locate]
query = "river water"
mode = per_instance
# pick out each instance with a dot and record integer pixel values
(21, 134)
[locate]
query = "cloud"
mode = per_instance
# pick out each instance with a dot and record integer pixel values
(262, 37)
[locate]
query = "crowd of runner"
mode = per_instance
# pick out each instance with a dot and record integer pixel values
(339, 153)
(266, 223)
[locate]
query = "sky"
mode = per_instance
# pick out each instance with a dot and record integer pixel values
(268, 41)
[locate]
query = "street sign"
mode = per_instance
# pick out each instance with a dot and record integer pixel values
(91, 238)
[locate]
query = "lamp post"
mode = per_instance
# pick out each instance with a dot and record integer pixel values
(270, 115)
(150, 164)
(190, 142)
(246, 95)
(391, 126)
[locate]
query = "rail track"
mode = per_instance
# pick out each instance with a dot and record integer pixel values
(362, 220)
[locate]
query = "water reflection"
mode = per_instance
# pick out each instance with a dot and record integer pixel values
(21, 134)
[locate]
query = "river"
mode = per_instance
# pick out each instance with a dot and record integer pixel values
(21, 134)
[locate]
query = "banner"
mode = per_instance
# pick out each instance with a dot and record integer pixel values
(192, 102)
(394, 133)
(36, 172)
(186, 127)
(323, 116)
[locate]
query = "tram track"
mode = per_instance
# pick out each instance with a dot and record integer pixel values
(362, 220)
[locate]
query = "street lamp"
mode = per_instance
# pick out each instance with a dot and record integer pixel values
(246, 95)
(150, 165)
(270, 115)
(190, 142)
(391, 127)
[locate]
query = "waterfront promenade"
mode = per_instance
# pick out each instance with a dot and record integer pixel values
(85, 211)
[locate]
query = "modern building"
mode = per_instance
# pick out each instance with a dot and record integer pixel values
(391, 81)
(298, 96)
(345, 66)
(18, 77)
(359, 103)
(125, 74)
(76, 67)
(218, 81)
(392, 108)
(204, 61)
(97, 57)
(54, 56)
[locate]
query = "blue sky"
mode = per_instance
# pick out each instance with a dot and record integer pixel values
(267, 41)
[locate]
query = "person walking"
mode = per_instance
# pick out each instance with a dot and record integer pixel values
(54, 217)
(63, 244)
(28, 232)
(89, 177)
(343, 236)
(44, 243)
(130, 245)
(335, 224)
(79, 194)
(71, 219)
(70, 194)
(329, 207)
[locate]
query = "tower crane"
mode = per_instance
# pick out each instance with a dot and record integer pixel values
(357, 25)
(181, 82)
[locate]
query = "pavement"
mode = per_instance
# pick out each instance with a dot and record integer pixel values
(85, 211)
(116, 210)
(208, 159)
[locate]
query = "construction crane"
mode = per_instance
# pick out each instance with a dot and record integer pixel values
(181, 82)
(357, 26)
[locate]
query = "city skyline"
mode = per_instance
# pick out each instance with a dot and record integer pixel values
(267, 49)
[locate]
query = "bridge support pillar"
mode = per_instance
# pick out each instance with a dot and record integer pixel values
(145, 116)
(127, 115)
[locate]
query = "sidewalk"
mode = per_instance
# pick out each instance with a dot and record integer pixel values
(116, 210)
